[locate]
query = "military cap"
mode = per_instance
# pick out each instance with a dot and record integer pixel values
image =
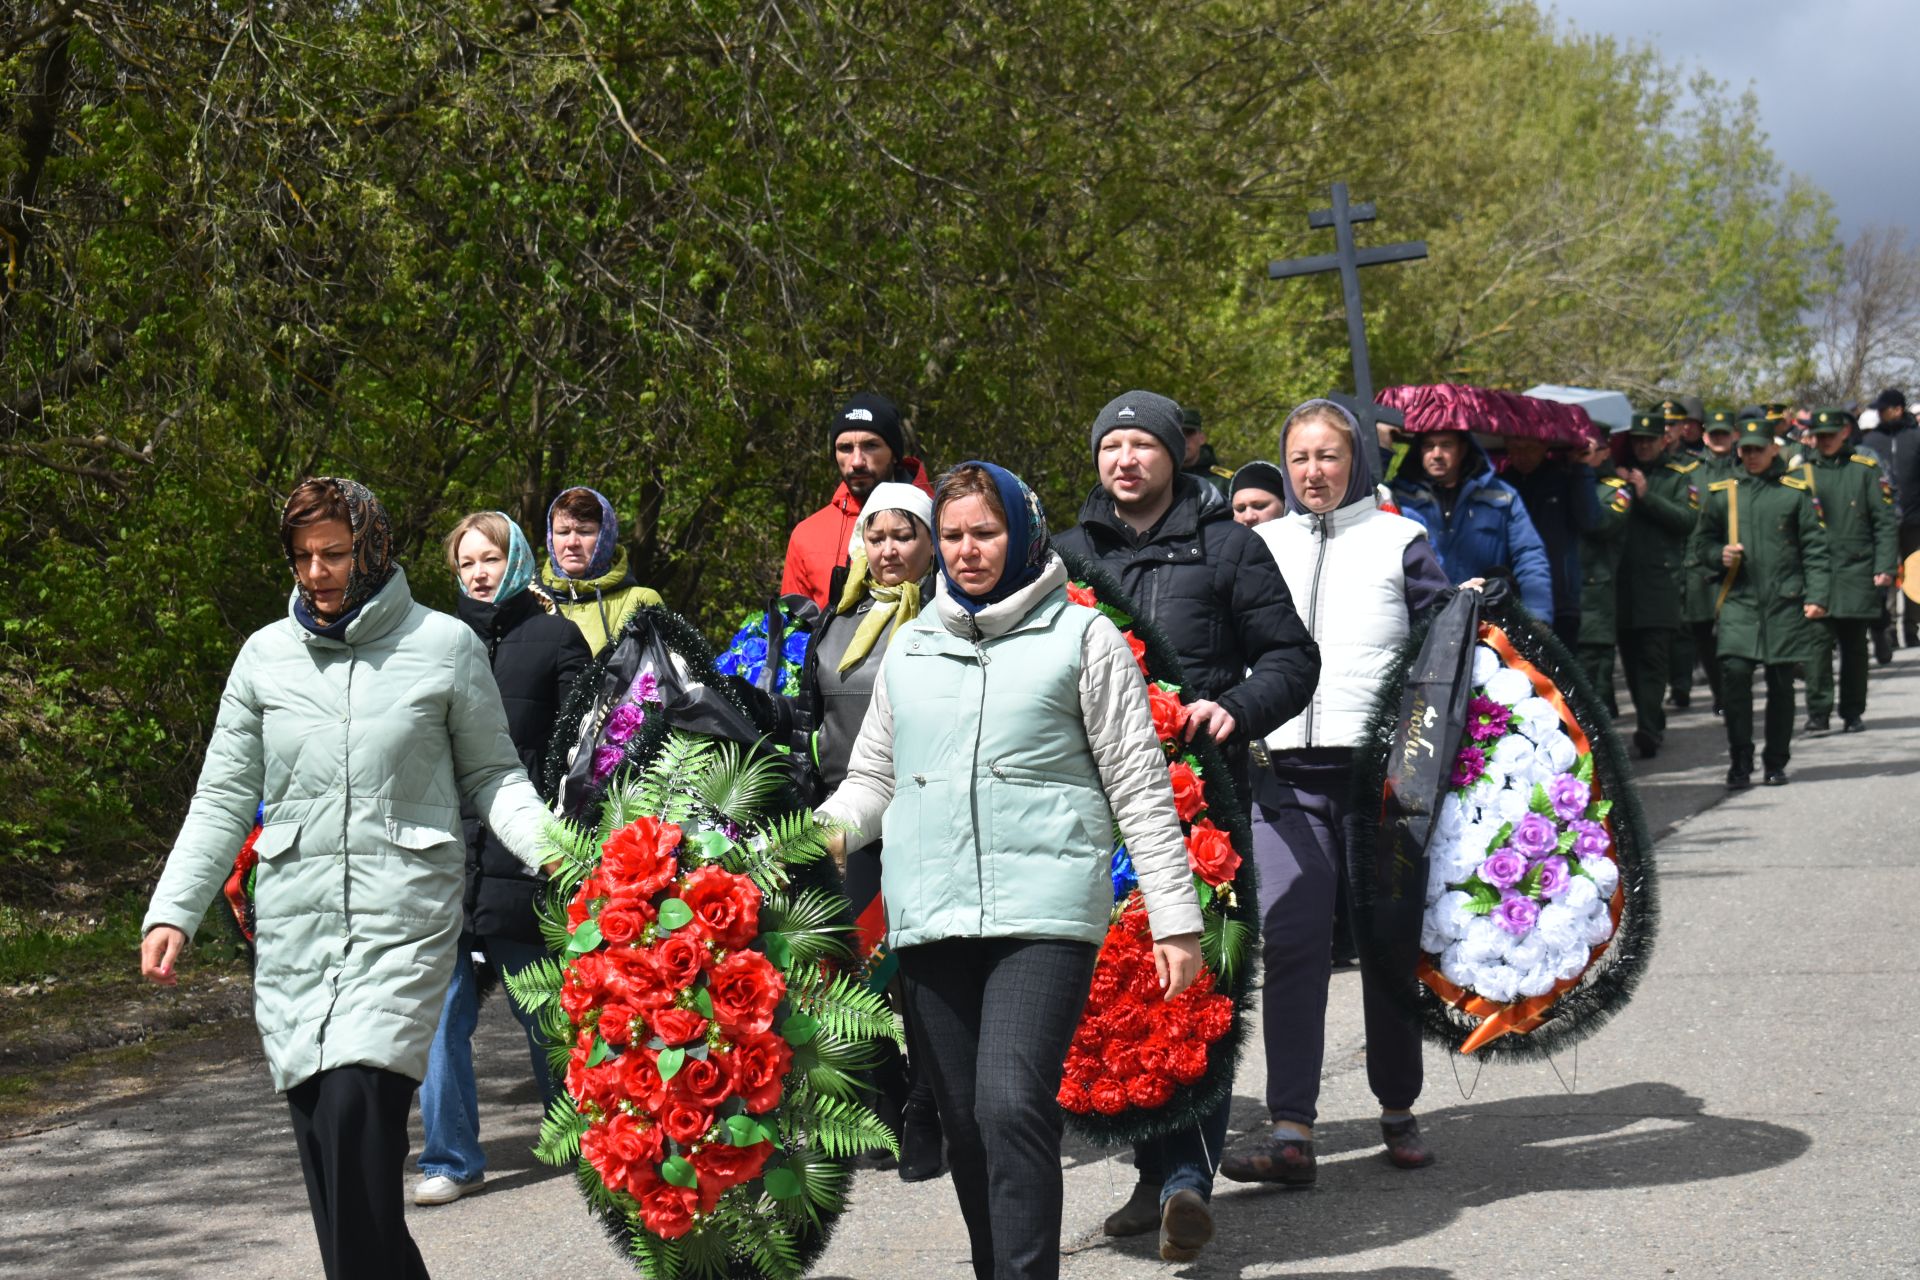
(1826, 421)
(1683, 409)
(1774, 410)
(1755, 433)
(1189, 418)
(1648, 424)
(1723, 420)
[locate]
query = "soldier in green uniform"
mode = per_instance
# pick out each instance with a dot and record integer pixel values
(1685, 418)
(1854, 499)
(1760, 541)
(1665, 504)
(1201, 462)
(1600, 549)
(1717, 461)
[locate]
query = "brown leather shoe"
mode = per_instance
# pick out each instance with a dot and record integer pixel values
(1139, 1215)
(1405, 1148)
(1186, 1227)
(1278, 1157)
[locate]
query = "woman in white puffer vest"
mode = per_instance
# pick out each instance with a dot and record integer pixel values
(1359, 577)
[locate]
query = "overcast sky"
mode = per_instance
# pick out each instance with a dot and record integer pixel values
(1838, 81)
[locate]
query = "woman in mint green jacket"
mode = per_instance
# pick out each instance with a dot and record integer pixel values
(361, 720)
(1007, 735)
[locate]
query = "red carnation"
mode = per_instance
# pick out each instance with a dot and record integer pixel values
(1211, 854)
(666, 1210)
(678, 1026)
(1149, 1090)
(679, 956)
(1109, 1097)
(1214, 1016)
(726, 907)
(1081, 596)
(746, 989)
(1073, 1097)
(1169, 714)
(721, 1166)
(758, 1064)
(701, 1082)
(1187, 1061)
(1189, 797)
(685, 1122)
(639, 857)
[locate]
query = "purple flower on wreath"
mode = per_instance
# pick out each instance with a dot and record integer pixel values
(1503, 869)
(1589, 839)
(624, 722)
(1554, 876)
(730, 830)
(1517, 914)
(1468, 767)
(1487, 719)
(1570, 797)
(646, 687)
(605, 760)
(1535, 836)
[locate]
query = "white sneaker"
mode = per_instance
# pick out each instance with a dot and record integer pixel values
(440, 1189)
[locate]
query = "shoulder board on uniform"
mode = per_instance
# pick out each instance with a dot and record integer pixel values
(1613, 481)
(1794, 482)
(1683, 467)
(1866, 459)
(1225, 473)
(1721, 486)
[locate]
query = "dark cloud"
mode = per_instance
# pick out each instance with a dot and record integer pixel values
(1836, 82)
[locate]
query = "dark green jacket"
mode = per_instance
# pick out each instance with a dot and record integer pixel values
(1696, 593)
(1784, 565)
(1600, 549)
(1207, 469)
(1656, 544)
(1854, 500)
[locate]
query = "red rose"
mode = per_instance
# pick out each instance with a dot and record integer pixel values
(1081, 596)
(721, 1166)
(639, 857)
(1189, 797)
(701, 1082)
(621, 924)
(758, 1064)
(623, 1150)
(746, 989)
(633, 977)
(1148, 1090)
(726, 907)
(685, 1122)
(1169, 715)
(666, 1210)
(678, 1026)
(1139, 648)
(616, 1023)
(1211, 854)
(1073, 1097)
(1187, 1061)
(679, 958)
(581, 907)
(1109, 1097)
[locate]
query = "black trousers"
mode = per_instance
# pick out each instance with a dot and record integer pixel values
(1644, 652)
(1849, 635)
(1736, 697)
(1597, 661)
(997, 1015)
(350, 1124)
(1705, 647)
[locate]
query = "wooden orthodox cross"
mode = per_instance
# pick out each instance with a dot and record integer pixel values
(1348, 260)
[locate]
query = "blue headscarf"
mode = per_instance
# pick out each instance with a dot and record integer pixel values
(1027, 546)
(604, 546)
(518, 575)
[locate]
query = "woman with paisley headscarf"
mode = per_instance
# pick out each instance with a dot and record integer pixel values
(535, 656)
(1008, 733)
(363, 721)
(586, 573)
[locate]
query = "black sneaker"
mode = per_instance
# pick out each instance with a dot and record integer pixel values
(1819, 724)
(1139, 1215)
(1853, 724)
(1776, 777)
(1644, 744)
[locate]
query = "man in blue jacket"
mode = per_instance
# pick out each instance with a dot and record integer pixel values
(1477, 523)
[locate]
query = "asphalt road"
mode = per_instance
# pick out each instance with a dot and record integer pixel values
(1750, 1115)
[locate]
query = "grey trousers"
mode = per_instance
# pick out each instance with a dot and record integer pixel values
(1299, 846)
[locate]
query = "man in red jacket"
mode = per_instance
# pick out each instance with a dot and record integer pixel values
(868, 447)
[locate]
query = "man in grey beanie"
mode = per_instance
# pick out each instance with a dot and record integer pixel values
(1212, 588)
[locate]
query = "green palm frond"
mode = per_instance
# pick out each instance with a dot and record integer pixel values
(809, 926)
(738, 786)
(762, 1238)
(841, 1127)
(672, 776)
(1223, 943)
(659, 1259)
(537, 986)
(848, 1009)
(559, 1058)
(703, 1255)
(833, 1065)
(560, 1133)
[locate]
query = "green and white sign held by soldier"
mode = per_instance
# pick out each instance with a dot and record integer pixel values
(1760, 542)
(1666, 499)
(1854, 499)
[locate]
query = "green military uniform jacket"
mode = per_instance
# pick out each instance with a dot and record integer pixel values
(1696, 593)
(1600, 549)
(1854, 500)
(1207, 469)
(1656, 543)
(1785, 564)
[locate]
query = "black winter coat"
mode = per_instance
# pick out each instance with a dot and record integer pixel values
(1212, 588)
(1899, 452)
(536, 655)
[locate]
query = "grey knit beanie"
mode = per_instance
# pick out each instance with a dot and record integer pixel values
(1143, 411)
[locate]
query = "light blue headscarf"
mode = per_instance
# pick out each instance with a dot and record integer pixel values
(518, 575)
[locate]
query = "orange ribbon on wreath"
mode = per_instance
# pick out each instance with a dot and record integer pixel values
(1521, 1016)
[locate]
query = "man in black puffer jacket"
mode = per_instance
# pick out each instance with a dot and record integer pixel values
(1212, 588)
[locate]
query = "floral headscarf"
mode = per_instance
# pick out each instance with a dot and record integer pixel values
(603, 546)
(1027, 543)
(372, 543)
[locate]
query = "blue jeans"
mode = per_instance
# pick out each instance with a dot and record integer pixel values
(449, 1096)
(1188, 1159)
